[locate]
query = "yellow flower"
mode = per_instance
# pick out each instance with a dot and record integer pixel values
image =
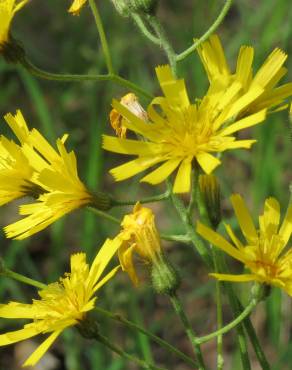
(76, 6)
(55, 172)
(139, 236)
(263, 253)
(61, 304)
(116, 119)
(8, 8)
(263, 83)
(180, 132)
(15, 173)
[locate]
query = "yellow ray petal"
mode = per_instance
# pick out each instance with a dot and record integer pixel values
(236, 278)
(217, 240)
(271, 217)
(207, 161)
(173, 89)
(286, 228)
(244, 219)
(244, 64)
(17, 336)
(244, 144)
(182, 182)
(42, 349)
(15, 310)
(102, 258)
(248, 121)
(105, 279)
(127, 146)
(162, 172)
(131, 168)
(232, 236)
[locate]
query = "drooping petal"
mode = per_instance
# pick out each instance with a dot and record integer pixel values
(182, 182)
(244, 219)
(217, 240)
(42, 349)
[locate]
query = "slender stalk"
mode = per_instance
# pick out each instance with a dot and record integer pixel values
(176, 238)
(165, 44)
(225, 329)
(109, 344)
(140, 24)
(105, 215)
(188, 329)
(212, 29)
(23, 279)
(102, 36)
(155, 198)
(196, 242)
(131, 325)
(40, 73)
(220, 357)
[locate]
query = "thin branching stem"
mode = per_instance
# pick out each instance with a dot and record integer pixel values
(212, 29)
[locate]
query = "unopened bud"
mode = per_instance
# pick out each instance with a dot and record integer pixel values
(165, 279)
(126, 7)
(210, 191)
(101, 201)
(12, 51)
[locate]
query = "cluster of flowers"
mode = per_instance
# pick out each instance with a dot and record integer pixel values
(176, 134)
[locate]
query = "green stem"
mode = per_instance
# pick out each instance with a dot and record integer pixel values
(196, 242)
(140, 24)
(194, 184)
(225, 329)
(102, 36)
(105, 215)
(155, 198)
(131, 325)
(189, 331)
(255, 342)
(165, 44)
(176, 238)
(23, 279)
(220, 357)
(80, 78)
(213, 28)
(108, 343)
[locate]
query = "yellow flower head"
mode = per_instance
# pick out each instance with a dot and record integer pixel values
(180, 132)
(139, 236)
(263, 252)
(61, 304)
(8, 8)
(263, 83)
(55, 173)
(116, 119)
(76, 6)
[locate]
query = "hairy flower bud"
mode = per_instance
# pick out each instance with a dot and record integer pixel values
(126, 7)
(210, 191)
(12, 51)
(165, 279)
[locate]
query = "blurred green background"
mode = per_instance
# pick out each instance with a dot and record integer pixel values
(58, 42)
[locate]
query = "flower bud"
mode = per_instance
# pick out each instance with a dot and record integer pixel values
(210, 192)
(101, 201)
(12, 52)
(126, 7)
(165, 279)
